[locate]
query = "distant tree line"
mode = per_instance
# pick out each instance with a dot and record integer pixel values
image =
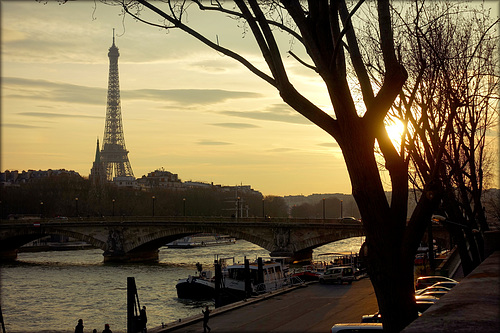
(70, 196)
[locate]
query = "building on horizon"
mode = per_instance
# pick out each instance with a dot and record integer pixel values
(15, 178)
(97, 174)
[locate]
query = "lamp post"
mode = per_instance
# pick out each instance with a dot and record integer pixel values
(41, 209)
(76, 205)
(153, 197)
(113, 201)
(324, 212)
(237, 208)
(183, 206)
(263, 209)
(341, 209)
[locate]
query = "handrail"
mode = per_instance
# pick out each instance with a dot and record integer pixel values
(184, 219)
(265, 287)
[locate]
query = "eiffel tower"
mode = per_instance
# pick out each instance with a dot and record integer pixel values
(114, 155)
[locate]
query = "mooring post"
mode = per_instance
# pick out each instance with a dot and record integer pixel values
(218, 284)
(260, 270)
(131, 294)
(1, 320)
(248, 286)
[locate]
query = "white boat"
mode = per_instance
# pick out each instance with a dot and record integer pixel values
(200, 240)
(272, 275)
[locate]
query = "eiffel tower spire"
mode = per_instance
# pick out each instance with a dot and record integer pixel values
(114, 155)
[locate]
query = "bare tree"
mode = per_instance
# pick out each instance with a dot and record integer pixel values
(327, 30)
(449, 105)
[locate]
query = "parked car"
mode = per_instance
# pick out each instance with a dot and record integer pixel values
(372, 318)
(350, 219)
(427, 281)
(424, 302)
(420, 259)
(448, 285)
(436, 294)
(357, 327)
(376, 317)
(431, 289)
(337, 274)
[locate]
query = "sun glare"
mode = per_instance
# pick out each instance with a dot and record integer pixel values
(395, 129)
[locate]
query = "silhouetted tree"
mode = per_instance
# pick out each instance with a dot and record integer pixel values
(448, 105)
(275, 206)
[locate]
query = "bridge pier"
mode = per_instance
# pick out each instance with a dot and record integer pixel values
(121, 257)
(8, 255)
(303, 255)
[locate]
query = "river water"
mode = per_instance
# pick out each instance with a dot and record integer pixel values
(50, 291)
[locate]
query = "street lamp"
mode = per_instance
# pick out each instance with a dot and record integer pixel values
(76, 204)
(263, 210)
(183, 206)
(341, 208)
(324, 212)
(41, 209)
(153, 197)
(237, 207)
(113, 201)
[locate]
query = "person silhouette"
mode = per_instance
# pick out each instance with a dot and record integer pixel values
(79, 326)
(206, 315)
(106, 329)
(144, 319)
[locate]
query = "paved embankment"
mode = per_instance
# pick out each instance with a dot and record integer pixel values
(314, 308)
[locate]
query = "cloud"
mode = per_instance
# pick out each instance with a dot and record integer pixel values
(55, 115)
(213, 143)
(213, 65)
(281, 150)
(21, 126)
(277, 112)
(236, 125)
(188, 96)
(42, 90)
(329, 144)
(9, 35)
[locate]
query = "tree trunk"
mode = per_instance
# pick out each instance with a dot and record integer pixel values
(389, 267)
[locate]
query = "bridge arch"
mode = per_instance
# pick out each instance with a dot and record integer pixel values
(139, 238)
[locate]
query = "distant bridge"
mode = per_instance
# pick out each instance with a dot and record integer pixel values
(125, 239)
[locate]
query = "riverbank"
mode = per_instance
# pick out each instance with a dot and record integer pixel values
(311, 308)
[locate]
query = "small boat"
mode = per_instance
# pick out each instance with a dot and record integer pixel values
(198, 287)
(310, 272)
(200, 240)
(269, 275)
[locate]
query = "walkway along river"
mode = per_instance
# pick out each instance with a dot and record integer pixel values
(50, 291)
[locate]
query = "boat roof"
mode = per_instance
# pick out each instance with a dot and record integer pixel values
(336, 254)
(254, 265)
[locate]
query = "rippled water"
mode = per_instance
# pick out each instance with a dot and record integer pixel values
(50, 291)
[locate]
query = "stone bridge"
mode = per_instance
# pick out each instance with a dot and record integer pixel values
(126, 239)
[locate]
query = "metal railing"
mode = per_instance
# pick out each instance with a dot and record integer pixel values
(266, 287)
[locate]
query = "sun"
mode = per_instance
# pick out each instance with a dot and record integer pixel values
(395, 128)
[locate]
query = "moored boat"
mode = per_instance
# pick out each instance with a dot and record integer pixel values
(200, 240)
(197, 287)
(238, 281)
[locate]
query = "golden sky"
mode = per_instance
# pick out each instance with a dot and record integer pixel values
(185, 108)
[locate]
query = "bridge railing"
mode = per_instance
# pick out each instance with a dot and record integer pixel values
(174, 219)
